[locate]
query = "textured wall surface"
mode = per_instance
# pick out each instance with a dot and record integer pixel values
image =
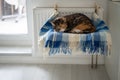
(112, 62)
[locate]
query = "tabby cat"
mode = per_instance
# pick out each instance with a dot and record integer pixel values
(73, 23)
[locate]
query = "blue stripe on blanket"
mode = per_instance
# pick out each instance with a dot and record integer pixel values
(47, 27)
(57, 43)
(53, 39)
(65, 44)
(100, 25)
(49, 38)
(94, 43)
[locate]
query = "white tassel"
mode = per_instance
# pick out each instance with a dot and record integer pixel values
(109, 42)
(73, 40)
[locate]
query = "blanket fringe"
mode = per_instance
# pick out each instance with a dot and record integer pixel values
(54, 51)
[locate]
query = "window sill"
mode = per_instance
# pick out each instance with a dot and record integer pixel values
(14, 51)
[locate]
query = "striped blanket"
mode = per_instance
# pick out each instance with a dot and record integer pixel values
(98, 42)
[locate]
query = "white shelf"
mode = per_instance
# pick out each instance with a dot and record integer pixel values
(15, 50)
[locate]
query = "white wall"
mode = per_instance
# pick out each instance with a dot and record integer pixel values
(113, 61)
(119, 69)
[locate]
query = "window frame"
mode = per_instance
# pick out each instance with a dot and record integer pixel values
(18, 39)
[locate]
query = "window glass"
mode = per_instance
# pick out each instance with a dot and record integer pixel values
(13, 17)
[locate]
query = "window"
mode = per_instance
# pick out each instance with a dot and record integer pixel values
(14, 29)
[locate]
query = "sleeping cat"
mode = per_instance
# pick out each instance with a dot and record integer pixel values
(74, 23)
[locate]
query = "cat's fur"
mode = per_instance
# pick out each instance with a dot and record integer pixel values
(74, 23)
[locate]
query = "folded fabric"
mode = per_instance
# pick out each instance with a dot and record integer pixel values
(47, 26)
(98, 42)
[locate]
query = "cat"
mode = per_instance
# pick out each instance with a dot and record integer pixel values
(73, 23)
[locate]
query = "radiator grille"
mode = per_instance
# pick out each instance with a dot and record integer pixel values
(42, 14)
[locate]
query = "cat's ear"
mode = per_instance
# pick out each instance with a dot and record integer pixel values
(58, 18)
(61, 18)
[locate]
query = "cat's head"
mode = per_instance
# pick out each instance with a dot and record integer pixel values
(59, 24)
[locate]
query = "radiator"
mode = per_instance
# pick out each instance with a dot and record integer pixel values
(41, 14)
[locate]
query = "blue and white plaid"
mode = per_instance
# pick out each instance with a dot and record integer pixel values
(93, 43)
